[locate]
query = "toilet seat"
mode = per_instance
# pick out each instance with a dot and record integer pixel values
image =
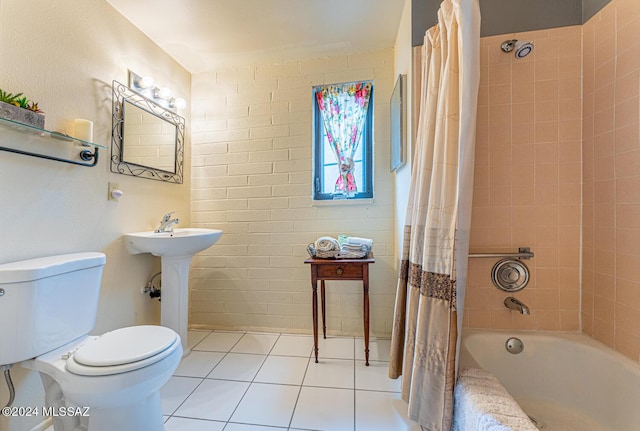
(122, 350)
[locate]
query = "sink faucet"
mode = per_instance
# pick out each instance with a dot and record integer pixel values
(514, 304)
(166, 224)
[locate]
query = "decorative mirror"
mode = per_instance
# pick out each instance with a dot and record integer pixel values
(147, 140)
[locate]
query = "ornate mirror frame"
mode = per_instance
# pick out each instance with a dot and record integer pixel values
(122, 93)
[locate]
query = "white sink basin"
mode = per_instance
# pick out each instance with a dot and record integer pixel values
(180, 242)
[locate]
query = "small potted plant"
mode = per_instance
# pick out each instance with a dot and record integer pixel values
(19, 108)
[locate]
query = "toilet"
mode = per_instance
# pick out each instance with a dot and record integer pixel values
(110, 382)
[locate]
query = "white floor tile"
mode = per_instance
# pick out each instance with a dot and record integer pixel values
(188, 424)
(255, 343)
(375, 377)
(214, 400)
(330, 373)
(175, 391)
(286, 370)
(293, 345)
(219, 341)
(382, 411)
(379, 349)
(198, 364)
(324, 409)
(238, 366)
(194, 336)
(324, 403)
(245, 427)
(266, 404)
(335, 348)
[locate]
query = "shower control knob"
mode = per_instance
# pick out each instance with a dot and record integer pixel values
(513, 276)
(1, 292)
(510, 275)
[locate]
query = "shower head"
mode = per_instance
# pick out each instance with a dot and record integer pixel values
(522, 49)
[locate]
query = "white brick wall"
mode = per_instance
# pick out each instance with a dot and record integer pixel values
(252, 179)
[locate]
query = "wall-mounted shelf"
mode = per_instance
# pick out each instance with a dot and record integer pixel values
(12, 131)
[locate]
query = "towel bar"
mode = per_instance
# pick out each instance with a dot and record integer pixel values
(523, 253)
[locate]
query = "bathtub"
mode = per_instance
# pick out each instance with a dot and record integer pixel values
(565, 382)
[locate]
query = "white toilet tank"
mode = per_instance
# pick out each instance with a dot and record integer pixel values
(47, 302)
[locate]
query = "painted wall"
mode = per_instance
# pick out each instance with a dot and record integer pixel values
(252, 160)
(527, 190)
(611, 176)
(64, 55)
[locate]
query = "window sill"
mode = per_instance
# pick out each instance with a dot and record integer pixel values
(339, 202)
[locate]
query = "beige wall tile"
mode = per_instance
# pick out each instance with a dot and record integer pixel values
(611, 50)
(529, 179)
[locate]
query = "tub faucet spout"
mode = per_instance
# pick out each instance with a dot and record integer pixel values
(514, 304)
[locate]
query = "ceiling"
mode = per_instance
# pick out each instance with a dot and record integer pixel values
(205, 35)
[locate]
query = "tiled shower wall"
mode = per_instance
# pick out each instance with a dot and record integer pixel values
(558, 169)
(252, 160)
(527, 180)
(611, 176)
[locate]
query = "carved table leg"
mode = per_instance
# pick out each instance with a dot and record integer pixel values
(365, 282)
(324, 326)
(314, 306)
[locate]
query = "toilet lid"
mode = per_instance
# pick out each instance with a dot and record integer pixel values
(125, 345)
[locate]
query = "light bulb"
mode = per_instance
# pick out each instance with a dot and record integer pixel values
(146, 82)
(179, 103)
(163, 93)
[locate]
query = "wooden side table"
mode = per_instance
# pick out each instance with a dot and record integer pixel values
(339, 269)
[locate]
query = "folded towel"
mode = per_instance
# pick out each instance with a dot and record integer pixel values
(327, 243)
(481, 403)
(354, 247)
(354, 240)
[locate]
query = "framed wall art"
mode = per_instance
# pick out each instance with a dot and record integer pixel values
(399, 123)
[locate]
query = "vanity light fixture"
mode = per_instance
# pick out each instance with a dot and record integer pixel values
(147, 86)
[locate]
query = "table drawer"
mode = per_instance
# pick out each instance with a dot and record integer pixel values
(340, 271)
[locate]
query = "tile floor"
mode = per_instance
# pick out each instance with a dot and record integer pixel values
(247, 381)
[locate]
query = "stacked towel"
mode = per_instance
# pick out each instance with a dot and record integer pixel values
(354, 240)
(483, 404)
(356, 243)
(327, 243)
(343, 248)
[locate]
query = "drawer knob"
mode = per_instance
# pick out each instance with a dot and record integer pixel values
(339, 271)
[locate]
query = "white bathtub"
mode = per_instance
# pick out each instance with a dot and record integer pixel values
(566, 381)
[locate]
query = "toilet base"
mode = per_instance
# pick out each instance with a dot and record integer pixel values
(128, 401)
(143, 415)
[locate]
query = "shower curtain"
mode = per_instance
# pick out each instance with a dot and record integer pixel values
(432, 277)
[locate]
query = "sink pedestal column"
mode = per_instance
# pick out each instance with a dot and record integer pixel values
(174, 307)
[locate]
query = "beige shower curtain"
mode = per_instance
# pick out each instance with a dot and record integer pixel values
(432, 277)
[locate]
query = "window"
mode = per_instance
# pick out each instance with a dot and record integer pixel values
(343, 141)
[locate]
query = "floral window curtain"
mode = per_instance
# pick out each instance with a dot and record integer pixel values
(344, 111)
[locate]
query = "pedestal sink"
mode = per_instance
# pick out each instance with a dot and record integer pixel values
(175, 250)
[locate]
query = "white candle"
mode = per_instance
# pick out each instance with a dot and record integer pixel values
(83, 129)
